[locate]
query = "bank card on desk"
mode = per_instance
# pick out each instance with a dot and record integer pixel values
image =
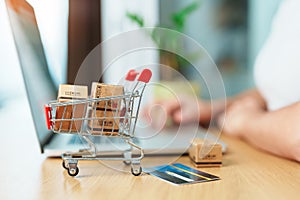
(180, 174)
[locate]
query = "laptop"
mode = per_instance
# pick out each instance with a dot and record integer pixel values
(41, 89)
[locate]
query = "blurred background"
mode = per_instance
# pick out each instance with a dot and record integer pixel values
(232, 31)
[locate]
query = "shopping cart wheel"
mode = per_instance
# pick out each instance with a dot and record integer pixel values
(73, 171)
(137, 171)
(64, 164)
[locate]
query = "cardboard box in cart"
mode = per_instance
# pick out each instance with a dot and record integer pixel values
(105, 113)
(105, 90)
(107, 122)
(69, 93)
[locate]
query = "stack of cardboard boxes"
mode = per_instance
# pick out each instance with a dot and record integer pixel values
(105, 113)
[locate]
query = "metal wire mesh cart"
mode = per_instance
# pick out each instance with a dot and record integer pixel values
(113, 116)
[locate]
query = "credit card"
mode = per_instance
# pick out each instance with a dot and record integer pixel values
(180, 174)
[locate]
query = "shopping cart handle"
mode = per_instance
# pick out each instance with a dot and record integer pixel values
(145, 76)
(48, 116)
(131, 75)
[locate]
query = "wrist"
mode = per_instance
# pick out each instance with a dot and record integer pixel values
(251, 123)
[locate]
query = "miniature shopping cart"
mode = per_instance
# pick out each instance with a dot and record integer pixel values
(116, 118)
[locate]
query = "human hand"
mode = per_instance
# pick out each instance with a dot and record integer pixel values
(182, 110)
(240, 116)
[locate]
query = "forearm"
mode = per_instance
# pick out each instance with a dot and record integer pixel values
(277, 132)
(219, 106)
(253, 94)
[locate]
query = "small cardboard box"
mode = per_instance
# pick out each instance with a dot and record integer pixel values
(104, 90)
(213, 156)
(104, 122)
(69, 93)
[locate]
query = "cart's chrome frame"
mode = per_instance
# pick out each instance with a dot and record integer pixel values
(129, 103)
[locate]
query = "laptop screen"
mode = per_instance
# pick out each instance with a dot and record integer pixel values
(38, 82)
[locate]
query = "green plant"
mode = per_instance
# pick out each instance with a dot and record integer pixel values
(178, 20)
(172, 39)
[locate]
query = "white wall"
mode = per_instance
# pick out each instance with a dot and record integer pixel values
(114, 22)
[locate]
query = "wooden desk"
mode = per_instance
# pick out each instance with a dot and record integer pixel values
(246, 174)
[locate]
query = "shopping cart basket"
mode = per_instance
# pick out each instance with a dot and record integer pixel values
(87, 121)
